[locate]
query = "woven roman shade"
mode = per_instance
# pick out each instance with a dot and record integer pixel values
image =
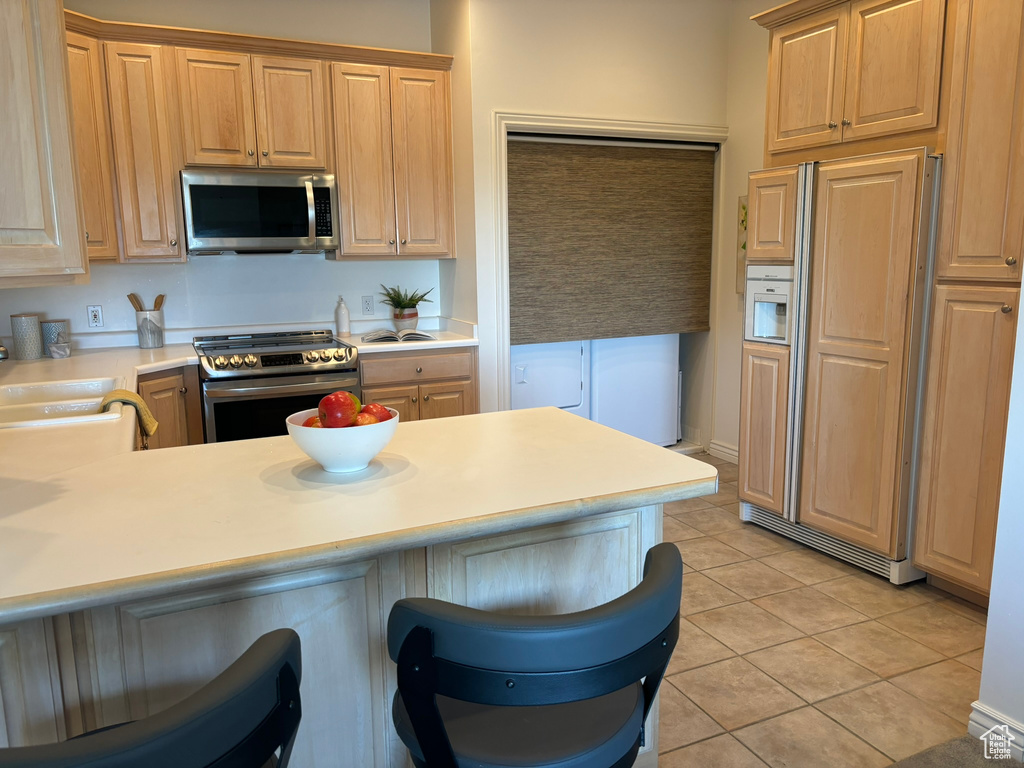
(607, 241)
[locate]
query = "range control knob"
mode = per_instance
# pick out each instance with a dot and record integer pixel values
(325, 355)
(236, 361)
(250, 360)
(220, 362)
(339, 354)
(312, 357)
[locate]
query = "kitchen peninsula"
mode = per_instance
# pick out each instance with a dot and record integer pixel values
(130, 581)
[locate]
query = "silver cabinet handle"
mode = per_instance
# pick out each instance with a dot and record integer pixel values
(833, 124)
(846, 121)
(251, 152)
(426, 397)
(87, 237)
(265, 153)
(173, 243)
(414, 399)
(183, 391)
(403, 242)
(1010, 260)
(391, 242)
(1006, 309)
(419, 370)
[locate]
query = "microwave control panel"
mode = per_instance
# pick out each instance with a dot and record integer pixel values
(322, 209)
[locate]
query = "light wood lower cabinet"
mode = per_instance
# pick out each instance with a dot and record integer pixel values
(863, 258)
(422, 385)
(41, 237)
(31, 705)
(173, 397)
(764, 390)
(133, 660)
(966, 402)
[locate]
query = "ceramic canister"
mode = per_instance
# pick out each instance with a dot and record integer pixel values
(28, 337)
(51, 329)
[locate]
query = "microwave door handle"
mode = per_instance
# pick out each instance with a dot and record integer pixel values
(311, 209)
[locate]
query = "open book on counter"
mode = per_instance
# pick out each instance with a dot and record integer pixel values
(409, 334)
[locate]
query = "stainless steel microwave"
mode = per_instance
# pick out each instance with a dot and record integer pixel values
(260, 212)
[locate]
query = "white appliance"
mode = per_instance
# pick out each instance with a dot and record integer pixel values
(776, 311)
(629, 384)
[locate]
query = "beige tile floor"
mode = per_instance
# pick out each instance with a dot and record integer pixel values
(788, 657)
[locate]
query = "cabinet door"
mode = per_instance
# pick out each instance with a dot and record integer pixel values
(40, 225)
(366, 176)
(966, 402)
(982, 220)
(861, 266)
(218, 121)
(404, 399)
(446, 398)
(421, 131)
(771, 221)
(290, 112)
(805, 80)
(32, 710)
(92, 145)
(165, 397)
(147, 181)
(893, 65)
(764, 396)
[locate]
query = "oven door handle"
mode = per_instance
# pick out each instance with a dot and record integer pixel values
(264, 390)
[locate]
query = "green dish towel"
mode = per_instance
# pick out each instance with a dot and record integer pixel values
(147, 423)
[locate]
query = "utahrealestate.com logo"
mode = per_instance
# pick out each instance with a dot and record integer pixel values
(997, 743)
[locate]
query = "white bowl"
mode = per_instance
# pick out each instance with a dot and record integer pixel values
(341, 449)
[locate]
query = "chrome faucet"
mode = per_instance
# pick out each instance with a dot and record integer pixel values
(4, 354)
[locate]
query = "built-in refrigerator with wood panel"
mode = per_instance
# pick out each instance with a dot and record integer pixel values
(828, 435)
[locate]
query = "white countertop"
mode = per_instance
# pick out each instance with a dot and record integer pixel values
(138, 524)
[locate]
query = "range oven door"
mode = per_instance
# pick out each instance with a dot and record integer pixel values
(239, 409)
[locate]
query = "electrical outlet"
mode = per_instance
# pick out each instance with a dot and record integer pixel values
(95, 315)
(367, 305)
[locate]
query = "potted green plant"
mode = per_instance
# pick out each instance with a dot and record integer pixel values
(404, 305)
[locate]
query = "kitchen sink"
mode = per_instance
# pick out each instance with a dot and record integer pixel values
(56, 402)
(52, 391)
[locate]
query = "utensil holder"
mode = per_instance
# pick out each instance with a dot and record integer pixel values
(51, 330)
(151, 328)
(28, 337)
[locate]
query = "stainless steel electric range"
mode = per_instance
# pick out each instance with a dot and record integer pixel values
(252, 382)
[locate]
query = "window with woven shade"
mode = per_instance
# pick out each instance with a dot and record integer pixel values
(608, 240)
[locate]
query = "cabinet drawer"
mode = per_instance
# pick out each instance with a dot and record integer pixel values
(387, 370)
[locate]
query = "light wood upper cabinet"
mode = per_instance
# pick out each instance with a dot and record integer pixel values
(893, 66)
(365, 174)
(217, 114)
(764, 389)
(92, 145)
(851, 71)
(805, 80)
(771, 219)
(862, 261)
(290, 112)
(144, 155)
(41, 234)
(421, 131)
(981, 235)
(966, 402)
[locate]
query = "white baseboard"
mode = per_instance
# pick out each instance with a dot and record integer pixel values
(724, 451)
(984, 719)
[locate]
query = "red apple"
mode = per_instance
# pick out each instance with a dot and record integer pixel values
(338, 409)
(363, 418)
(312, 421)
(378, 410)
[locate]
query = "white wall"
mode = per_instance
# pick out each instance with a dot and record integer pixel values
(401, 24)
(450, 33)
(746, 90)
(658, 60)
(1001, 699)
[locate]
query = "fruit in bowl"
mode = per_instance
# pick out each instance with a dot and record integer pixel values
(359, 434)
